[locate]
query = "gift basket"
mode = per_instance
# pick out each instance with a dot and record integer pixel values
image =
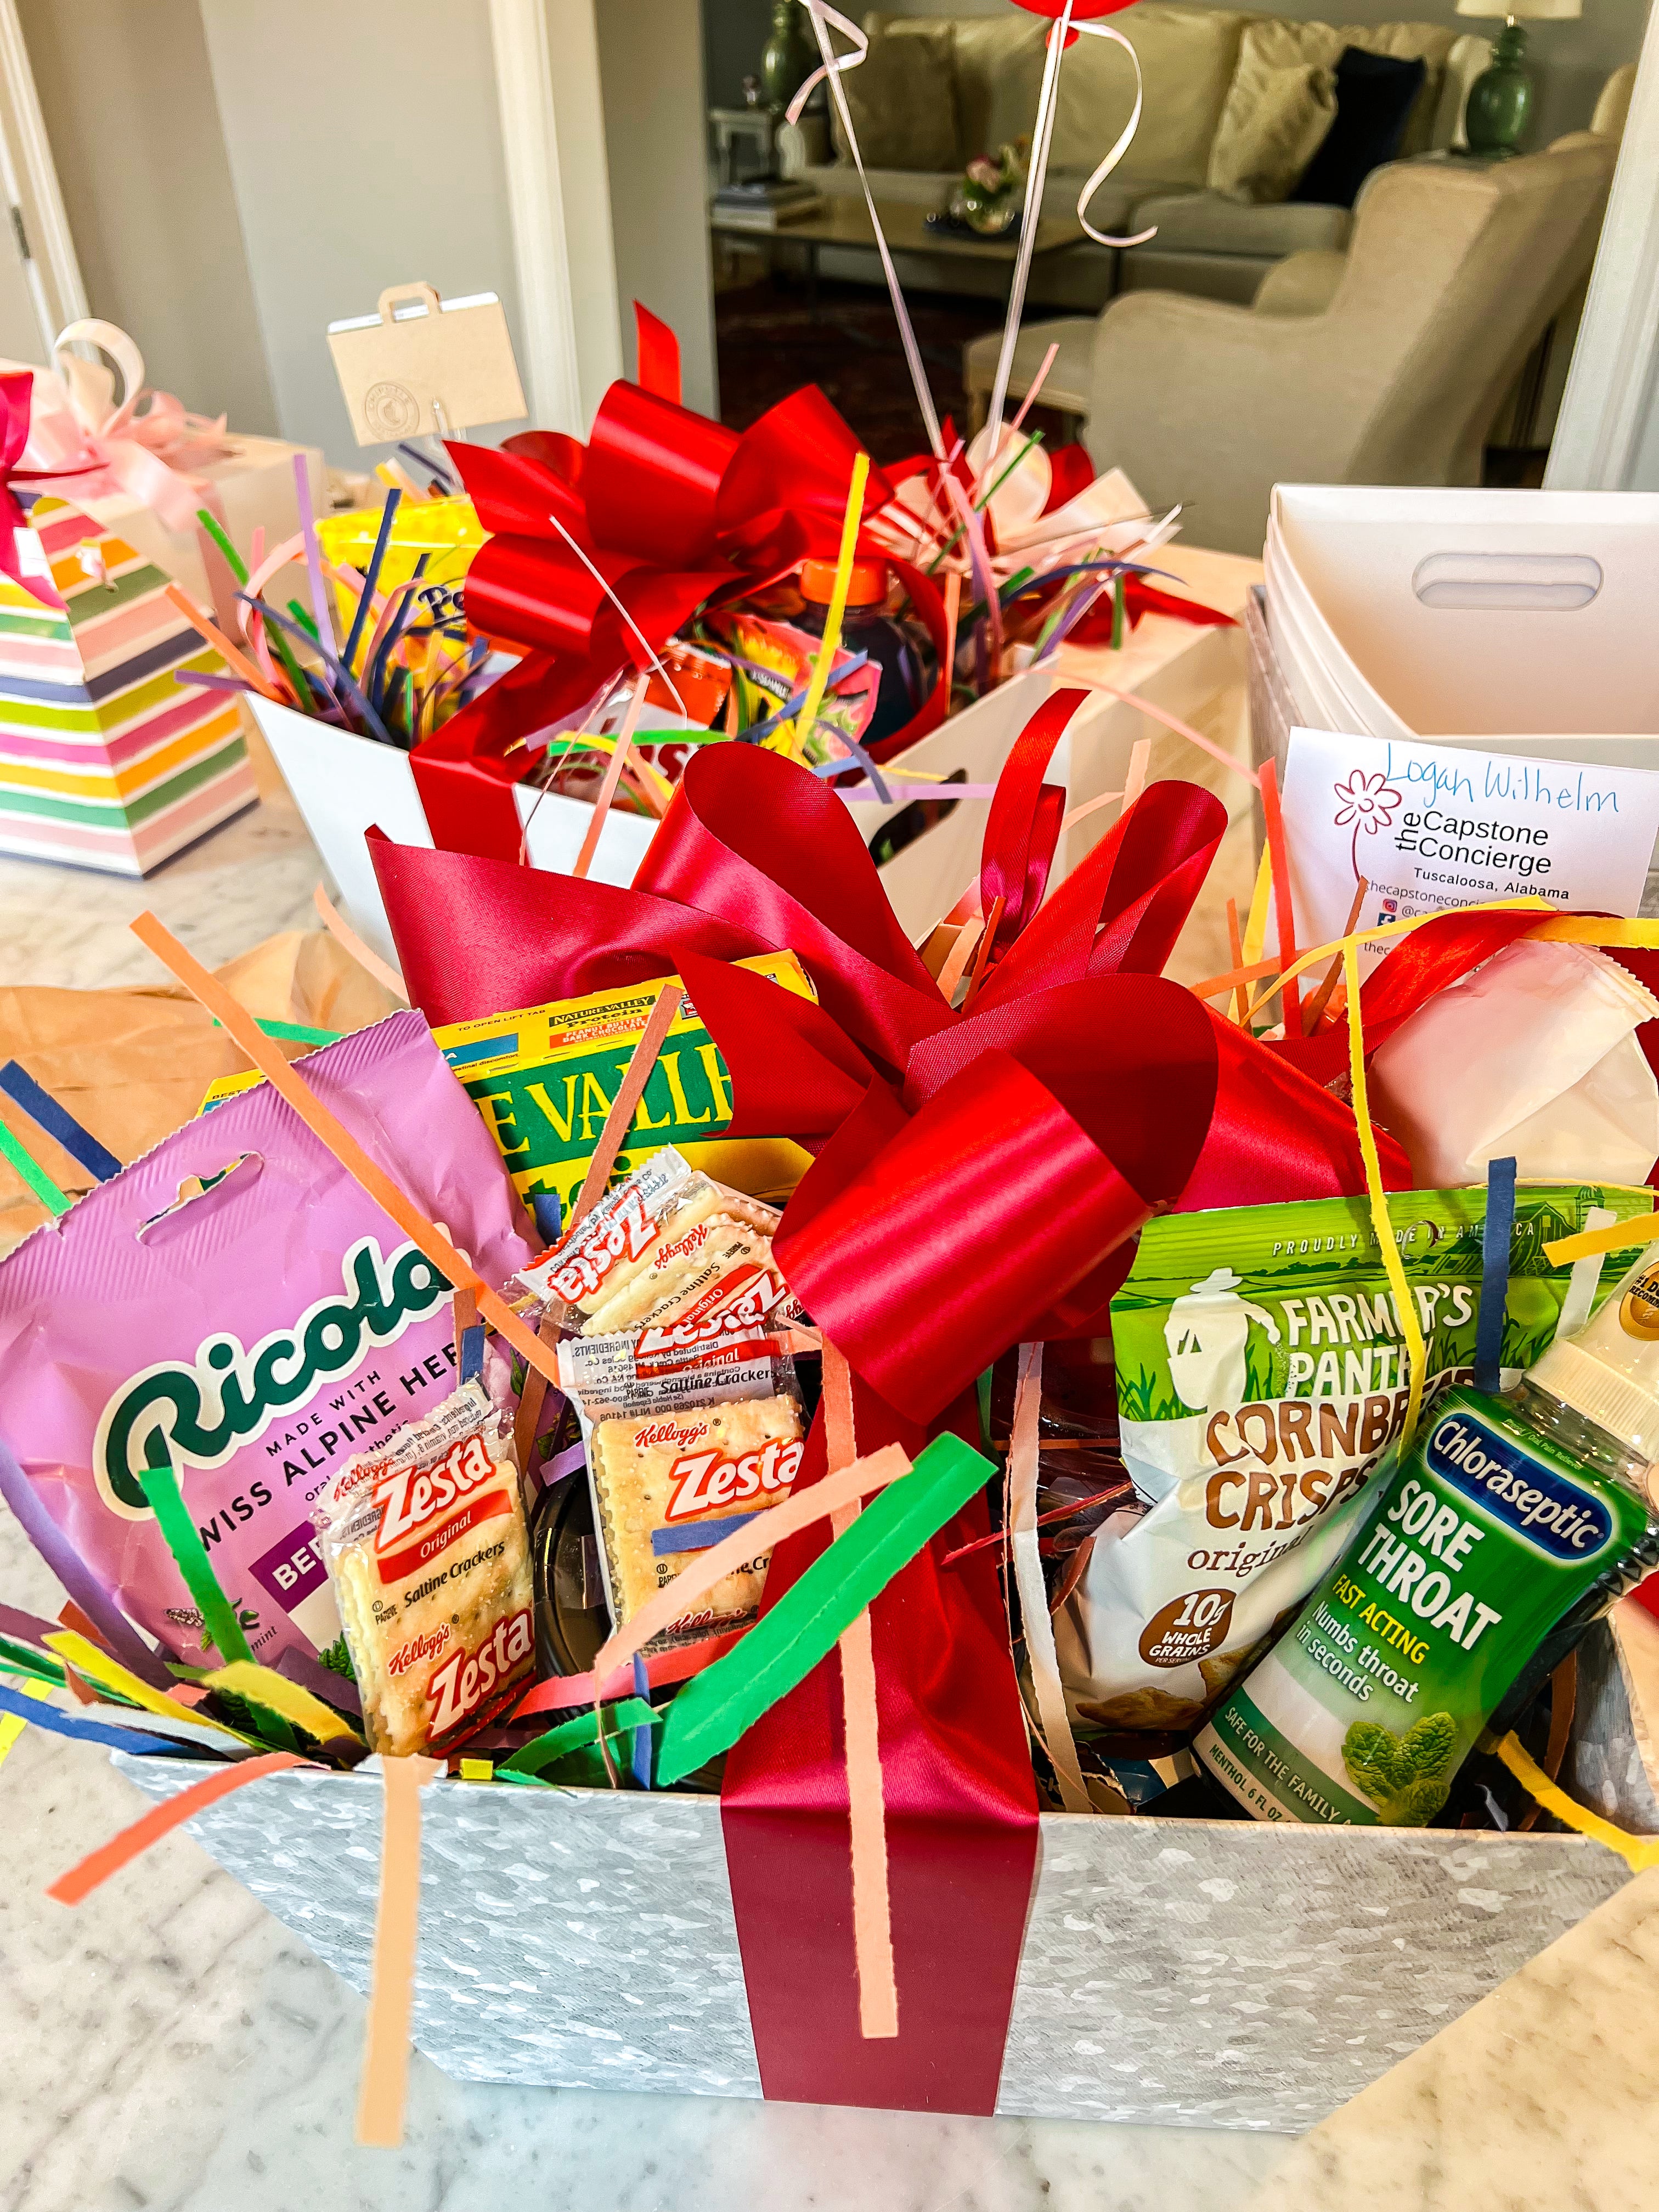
(738, 1496)
(819, 1524)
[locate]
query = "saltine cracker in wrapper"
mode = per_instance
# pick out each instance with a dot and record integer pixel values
(1262, 1375)
(666, 1250)
(681, 1447)
(426, 1548)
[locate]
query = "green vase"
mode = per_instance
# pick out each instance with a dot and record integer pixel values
(1500, 98)
(788, 56)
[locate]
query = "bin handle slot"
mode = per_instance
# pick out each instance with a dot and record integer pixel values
(1507, 583)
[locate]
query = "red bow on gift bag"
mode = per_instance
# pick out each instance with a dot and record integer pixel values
(598, 554)
(976, 1181)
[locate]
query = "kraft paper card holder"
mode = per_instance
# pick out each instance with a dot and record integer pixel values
(420, 366)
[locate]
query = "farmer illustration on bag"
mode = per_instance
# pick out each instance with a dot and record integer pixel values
(1207, 1334)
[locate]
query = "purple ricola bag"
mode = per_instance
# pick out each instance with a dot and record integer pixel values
(268, 1326)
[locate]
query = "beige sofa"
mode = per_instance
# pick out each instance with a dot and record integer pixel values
(1207, 243)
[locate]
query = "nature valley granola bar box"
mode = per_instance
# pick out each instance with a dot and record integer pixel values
(1262, 1375)
(543, 1080)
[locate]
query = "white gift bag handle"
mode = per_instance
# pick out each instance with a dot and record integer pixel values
(110, 339)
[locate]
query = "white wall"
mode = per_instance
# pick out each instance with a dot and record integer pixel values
(364, 146)
(128, 101)
(1572, 61)
(651, 64)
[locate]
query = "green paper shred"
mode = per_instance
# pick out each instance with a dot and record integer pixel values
(215, 529)
(55, 1201)
(545, 1751)
(715, 1708)
(160, 1486)
(23, 1659)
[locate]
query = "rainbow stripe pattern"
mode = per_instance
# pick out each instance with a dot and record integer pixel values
(106, 759)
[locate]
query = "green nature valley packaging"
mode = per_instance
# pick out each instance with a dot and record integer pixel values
(543, 1080)
(1261, 1376)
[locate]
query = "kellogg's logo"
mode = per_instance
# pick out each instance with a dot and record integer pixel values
(197, 1414)
(669, 1432)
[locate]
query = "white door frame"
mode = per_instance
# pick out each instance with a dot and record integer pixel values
(29, 177)
(1610, 387)
(559, 202)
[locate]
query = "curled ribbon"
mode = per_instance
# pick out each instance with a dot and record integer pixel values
(81, 442)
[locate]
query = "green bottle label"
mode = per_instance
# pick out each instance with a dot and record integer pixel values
(1483, 1538)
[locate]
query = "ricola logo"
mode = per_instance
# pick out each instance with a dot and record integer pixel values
(203, 1411)
(1546, 1508)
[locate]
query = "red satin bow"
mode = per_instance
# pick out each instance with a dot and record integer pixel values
(17, 398)
(977, 1175)
(668, 510)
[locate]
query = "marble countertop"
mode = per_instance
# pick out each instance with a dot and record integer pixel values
(169, 2044)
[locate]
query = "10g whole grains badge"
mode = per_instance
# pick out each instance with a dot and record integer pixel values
(1262, 1375)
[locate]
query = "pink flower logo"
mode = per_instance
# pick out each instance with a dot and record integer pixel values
(1367, 801)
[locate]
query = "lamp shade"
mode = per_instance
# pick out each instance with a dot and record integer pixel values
(1530, 11)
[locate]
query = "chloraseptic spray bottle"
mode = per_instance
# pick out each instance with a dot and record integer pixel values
(1507, 1526)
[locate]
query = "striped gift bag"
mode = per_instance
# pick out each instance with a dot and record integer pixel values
(106, 759)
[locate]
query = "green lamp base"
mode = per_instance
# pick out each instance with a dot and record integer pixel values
(1500, 98)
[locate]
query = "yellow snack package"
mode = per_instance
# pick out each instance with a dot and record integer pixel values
(543, 1080)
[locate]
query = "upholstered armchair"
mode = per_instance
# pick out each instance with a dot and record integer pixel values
(1385, 364)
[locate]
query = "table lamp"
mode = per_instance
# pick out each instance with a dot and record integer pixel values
(1500, 98)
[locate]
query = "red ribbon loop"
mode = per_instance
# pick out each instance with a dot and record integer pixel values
(1144, 1096)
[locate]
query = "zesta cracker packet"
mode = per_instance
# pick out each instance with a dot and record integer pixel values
(1262, 1375)
(426, 1549)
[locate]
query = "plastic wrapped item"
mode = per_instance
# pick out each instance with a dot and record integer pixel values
(670, 1251)
(427, 1553)
(1549, 1071)
(678, 1457)
(237, 1298)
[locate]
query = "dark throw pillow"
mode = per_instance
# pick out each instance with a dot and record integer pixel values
(1374, 97)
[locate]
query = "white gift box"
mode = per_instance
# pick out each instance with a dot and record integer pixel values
(255, 487)
(1399, 613)
(345, 784)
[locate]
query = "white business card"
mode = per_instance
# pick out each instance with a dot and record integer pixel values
(1430, 826)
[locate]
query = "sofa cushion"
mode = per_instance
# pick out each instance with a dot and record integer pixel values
(1187, 57)
(1264, 161)
(902, 102)
(1066, 385)
(997, 63)
(1274, 43)
(1208, 222)
(1375, 94)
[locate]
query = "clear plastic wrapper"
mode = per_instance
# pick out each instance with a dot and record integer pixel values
(679, 1455)
(426, 1548)
(667, 1250)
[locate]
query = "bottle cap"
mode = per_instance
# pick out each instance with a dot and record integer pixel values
(866, 588)
(1610, 1372)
